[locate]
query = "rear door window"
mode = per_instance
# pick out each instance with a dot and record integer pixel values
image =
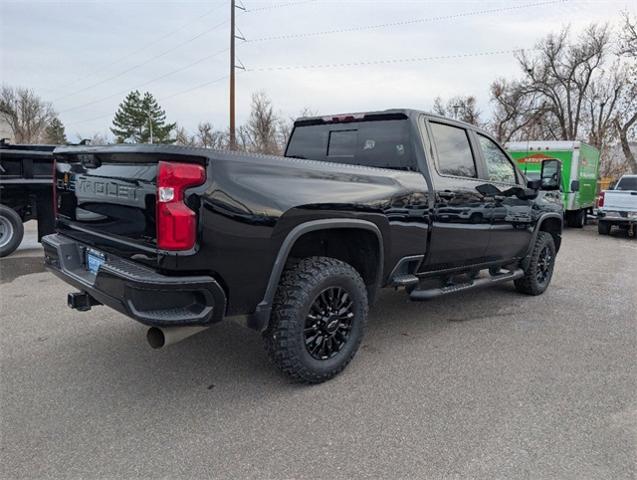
(455, 156)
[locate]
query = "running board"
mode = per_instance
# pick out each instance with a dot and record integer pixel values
(418, 295)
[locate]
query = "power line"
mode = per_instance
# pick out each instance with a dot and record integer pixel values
(146, 62)
(332, 65)
(383, 61)
(161, 99)
(279, 5)
(404, 22)
(197, 87)
(185, 67)
(140, 49)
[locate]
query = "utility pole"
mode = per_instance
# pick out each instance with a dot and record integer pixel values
(233, 138)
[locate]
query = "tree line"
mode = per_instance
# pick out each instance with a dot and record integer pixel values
(570, 87)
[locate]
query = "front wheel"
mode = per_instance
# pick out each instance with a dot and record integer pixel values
(11, 230)
(538, 274)
(318, 319)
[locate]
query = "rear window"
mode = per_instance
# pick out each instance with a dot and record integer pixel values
(627, 183)
(380, 143)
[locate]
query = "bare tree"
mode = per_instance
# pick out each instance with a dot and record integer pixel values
(261, 133)
(26, 113)
(517, 114)
(208, 137)
(625, 121)
(460, 108)
(628, 36)
(182, 137)
(556, 81)
(605, 97)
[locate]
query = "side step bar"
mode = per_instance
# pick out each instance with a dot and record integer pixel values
(419, 295)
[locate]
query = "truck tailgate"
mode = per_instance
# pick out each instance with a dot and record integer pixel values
(620, 200)
(108, 197)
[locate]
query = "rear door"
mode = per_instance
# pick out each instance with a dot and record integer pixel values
(460, 232)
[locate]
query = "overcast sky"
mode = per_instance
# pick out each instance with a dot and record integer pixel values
(84, 55)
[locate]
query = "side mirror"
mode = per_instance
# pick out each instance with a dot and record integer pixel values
(534, 184)
(551, 174)
(575, 186)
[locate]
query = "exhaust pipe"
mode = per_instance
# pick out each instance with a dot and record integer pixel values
(162, 337)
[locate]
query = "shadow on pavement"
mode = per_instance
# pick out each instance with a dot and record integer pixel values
(14, 267)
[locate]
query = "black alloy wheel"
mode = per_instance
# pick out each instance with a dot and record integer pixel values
(544, 265)
(329, 322)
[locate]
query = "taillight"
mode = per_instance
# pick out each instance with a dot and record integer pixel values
(176, 223)
(600, 200)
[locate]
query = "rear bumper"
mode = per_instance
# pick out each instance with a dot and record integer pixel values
(617, 217)
(135, 290)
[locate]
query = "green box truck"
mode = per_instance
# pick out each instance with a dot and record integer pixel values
(580, 169)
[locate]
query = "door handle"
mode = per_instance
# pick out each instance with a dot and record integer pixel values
(446, 194)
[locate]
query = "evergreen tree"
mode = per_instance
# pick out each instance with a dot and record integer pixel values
(137, 117)
(54, 132)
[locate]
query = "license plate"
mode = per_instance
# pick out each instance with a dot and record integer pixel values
(93, 260)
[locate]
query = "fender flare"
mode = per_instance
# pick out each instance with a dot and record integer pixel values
(536, 231)
(260, 319)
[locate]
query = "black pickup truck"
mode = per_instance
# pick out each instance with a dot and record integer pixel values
(298, 246)
(26, 173)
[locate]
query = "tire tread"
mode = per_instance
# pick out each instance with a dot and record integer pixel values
(297, 280)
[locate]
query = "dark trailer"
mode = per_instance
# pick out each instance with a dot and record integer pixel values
(25, 192)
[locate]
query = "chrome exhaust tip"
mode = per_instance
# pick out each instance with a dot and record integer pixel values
(159, 337)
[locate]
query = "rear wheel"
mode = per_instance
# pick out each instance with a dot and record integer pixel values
(576, 219)
(318, 319)
(603, 228)
(538, 274)
(11, 230)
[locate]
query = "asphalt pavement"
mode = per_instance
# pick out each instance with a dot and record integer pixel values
(486, 384)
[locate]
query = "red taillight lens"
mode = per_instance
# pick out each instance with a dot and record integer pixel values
(600, 200)
(176, 223)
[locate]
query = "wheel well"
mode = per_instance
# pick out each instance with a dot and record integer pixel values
(554, 227)
(358, 247)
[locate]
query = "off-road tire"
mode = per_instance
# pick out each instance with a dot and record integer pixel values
(530, 283)
(13, 229)
(603, 228)
(301, 283)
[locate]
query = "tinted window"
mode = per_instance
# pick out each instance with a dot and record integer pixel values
(342, 143)
(627, 183)
(377, 143)
(499, 167)
(454, 151)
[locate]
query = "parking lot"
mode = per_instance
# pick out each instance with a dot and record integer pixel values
(486, 384)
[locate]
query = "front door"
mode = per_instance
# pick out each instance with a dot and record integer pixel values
(510, 212)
